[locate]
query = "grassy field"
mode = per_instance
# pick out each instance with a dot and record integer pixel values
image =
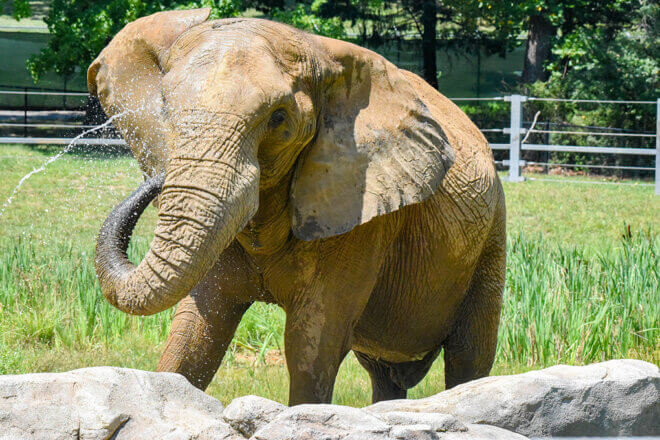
(580, 288)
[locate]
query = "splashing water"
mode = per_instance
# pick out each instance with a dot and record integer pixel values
(54, 158)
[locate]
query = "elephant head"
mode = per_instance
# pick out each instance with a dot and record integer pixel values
(230, 108)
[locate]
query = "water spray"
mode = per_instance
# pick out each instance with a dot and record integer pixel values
(54, 158)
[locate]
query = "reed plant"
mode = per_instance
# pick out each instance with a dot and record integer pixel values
(580, 287)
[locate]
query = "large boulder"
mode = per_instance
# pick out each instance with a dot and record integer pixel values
(249, 413)
(611, 398)
(334, 422)
(614, 398)
(104, 402)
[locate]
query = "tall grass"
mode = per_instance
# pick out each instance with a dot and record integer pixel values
(52, 298)
(561, 304)
(579, 294)
(565, 305)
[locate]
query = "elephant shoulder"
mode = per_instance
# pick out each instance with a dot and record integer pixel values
(471, 187)
(463, 134)
(474, 169)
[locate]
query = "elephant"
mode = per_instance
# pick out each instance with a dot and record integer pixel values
(308, 172)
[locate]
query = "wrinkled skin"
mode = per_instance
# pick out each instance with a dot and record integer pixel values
(311, 173)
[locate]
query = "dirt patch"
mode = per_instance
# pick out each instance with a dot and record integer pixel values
(270, 358)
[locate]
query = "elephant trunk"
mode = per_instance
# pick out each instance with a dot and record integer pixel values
(209, 193)
(116, 231)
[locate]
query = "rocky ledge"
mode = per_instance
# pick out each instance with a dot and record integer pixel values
(620, 397)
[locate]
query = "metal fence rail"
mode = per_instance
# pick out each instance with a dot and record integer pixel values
(515, 130)
(28, 99)
(61, 141)
(28, 92)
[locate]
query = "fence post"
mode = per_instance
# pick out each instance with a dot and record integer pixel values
(514, 137)
(657, 148)
(25, 108)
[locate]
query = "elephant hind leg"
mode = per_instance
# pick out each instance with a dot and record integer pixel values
(392, 380)
(469, 350)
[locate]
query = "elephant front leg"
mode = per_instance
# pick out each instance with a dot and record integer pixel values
(315, 347)
(332, 290)
(206, 320)
(202, 329)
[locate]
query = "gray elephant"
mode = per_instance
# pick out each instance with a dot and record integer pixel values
(307, 172)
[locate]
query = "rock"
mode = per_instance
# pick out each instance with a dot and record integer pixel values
(249, 413)
(614, 398)
(608, 399)
(476, 431)
(334, 422)
(471, 432)
(413, 432)
(322, 422)
(105, 402)
(436, 422)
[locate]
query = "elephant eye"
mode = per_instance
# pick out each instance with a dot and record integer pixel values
(277, 118)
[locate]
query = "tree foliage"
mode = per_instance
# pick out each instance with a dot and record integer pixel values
(590, 47)
(20, 8)
(602, 63)
(305, 17)
(80, 29)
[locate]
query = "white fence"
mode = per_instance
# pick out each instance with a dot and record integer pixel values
(517, 143)
(515, 130)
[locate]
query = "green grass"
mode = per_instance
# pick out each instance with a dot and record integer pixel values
(579, 288)
(23, 25)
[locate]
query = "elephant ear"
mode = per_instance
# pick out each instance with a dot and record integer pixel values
(127, 76)
(377, 150)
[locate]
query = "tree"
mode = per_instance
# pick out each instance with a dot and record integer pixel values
(538, 48)
(378, 19)
(20, 8)
(80, 29)
(547, 23)
(429, 36)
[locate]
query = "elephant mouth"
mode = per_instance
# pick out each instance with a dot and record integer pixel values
(115, 234)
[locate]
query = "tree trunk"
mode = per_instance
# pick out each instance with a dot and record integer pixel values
(429, 22)
(538, 49)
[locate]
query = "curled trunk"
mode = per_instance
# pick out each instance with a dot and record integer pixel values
(115, 234)
(209, 193)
